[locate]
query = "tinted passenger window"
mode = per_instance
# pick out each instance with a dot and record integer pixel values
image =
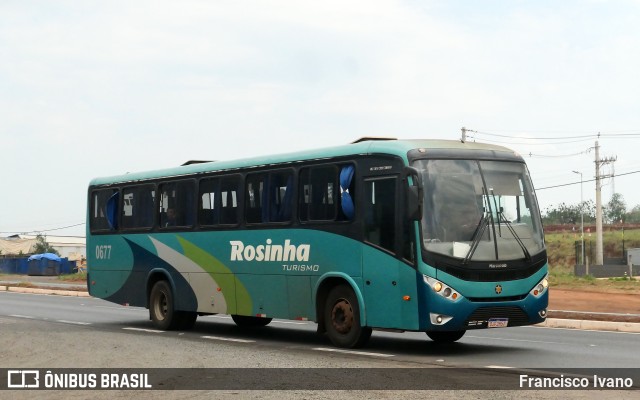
(380, 201)
(218, 201)
(177, 204)
(104, 210)
(319, 190)
(269, 197)
(138, 205)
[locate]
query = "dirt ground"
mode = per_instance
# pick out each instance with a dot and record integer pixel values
(563, 301)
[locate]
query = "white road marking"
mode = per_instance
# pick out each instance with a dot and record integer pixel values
(143, 330)
(126, 308)
(359, 353)
(512, 340)
(74, 322)
(228, 339)
(22, 316)
(290, 322)
(580, 330)
(498, 367)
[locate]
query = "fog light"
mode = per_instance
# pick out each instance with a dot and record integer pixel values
(543, 313)
(439, 319)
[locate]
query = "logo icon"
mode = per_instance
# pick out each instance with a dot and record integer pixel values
(19, 379)
(498, 289)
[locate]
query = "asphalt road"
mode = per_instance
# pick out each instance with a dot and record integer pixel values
(68, 332)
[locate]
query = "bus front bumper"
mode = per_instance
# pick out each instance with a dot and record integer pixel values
(464, 314)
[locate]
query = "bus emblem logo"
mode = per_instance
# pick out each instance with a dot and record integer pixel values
(498, 289)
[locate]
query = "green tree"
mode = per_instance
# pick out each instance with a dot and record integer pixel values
(42, 246)
(616, 208)
(562, 214)
(633, 216)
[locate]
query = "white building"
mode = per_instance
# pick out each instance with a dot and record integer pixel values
(72, 247)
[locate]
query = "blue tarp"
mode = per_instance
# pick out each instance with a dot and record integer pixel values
(42, 266)
(46, 256)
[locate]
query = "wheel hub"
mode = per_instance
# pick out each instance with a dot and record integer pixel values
(342, 316)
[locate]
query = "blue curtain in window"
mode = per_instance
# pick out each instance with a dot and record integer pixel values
(264, 199)
(346, 175)
(284, 212)
(112, 211)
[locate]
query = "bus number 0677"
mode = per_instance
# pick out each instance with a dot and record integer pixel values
(103, 252)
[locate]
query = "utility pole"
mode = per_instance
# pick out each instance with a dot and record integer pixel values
(599, 163)
(464, 135)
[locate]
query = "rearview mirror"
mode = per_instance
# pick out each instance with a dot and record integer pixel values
(413, 194)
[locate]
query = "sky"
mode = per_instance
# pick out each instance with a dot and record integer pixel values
(92, 89)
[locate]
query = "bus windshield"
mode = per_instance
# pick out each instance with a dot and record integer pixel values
(479, 210)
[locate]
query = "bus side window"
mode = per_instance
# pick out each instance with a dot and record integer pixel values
(104, 210)
(318, 193)
(281, 185)
(229, 190)
(138, 206)
(269, 197)
(176, 204)
(254, 197)
(380, 214)
(209, 202)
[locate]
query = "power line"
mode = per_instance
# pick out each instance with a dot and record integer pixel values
(553, 140)
(636, 133)
(558, 156)
(542, 138)
(589, 180)
(532, 144)
(47, 230)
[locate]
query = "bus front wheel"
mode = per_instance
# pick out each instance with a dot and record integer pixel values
(342, 318)
(444, 336)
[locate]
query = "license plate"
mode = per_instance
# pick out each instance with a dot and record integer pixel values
(498, 322)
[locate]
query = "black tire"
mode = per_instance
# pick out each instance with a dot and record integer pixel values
(161, 309)
(445, 336)
(246, 321)
(342, 318)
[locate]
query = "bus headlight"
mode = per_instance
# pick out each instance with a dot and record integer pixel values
(541, 287)
(441, 289)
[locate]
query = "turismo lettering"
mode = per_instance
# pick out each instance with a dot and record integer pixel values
(300, 268)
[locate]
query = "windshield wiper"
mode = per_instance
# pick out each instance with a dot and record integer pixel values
(502, 218)
(477, 235)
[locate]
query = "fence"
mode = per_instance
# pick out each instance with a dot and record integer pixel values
(615, 258)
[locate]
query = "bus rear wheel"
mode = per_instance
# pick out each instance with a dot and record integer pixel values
(445, 336)
(162, 313)
(247, 321)
(161, 307)
(342, 318)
